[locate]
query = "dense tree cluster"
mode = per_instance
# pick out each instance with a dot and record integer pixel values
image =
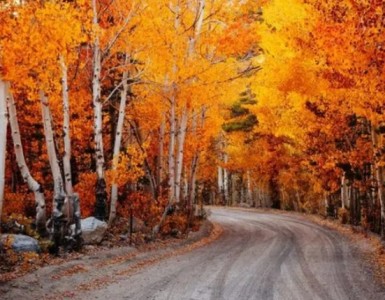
(161, 105)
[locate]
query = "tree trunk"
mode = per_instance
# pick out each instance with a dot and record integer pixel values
(147, 167)
(379, 178)
(159, 173)
(249, 193)
(117, 145)
(59, 229)
(221, 189)
(226, 180)
(33, 185)
(171, 151)
(101, 194)
(180, 154)
(3, 140)
(52, 155)
(198, 26)
(343, 191)
(66, 130)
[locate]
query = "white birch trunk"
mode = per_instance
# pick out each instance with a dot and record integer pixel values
(66, 130)
(52, 156)
(49, 137)
(180, 154)
(193, 169)
(220, 182)
(159, 175)
(249, 193)
(171, 151)
(185, 186)
(101, 194)
(343, 191)
(3, 140)
(198, 26)
(96, 100)
(226, 180)
(117, 145)
(33, 185)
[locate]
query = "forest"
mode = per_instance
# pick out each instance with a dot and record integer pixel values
(151, 109)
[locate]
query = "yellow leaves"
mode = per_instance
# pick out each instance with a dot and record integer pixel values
(128, 166)
(280, 14)
(35, 40)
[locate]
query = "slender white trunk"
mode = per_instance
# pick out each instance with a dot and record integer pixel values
(343, 191)
(185, 186)
(180, 154)
(249, 194)
(159, 175)
(226, 179)
(96, 100)
(63, 206)
(194, 169)
(194, 166)
(198, 26)
(220, 183)
(3, 140)
(101, 194)
(33, 185)
(66, 129)
(52, 155)
(117, 145)
(298, 204)
(171, 151)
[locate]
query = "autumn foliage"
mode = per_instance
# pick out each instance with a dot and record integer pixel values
(157, 107)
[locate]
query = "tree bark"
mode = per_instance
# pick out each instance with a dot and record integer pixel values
(159, 174)
(343, 191)
(180, 154)
(379, 177)
(66, 130)
(221, 189)
(249, 193)
(33, 185)
(59, 226)
(117, 145)
(101, 194)
(52, 155)
(171, 151)
(3, 140)
(226, 180)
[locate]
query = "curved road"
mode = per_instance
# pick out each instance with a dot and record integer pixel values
(259, 256)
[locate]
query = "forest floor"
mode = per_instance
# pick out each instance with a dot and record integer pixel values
(250, 254)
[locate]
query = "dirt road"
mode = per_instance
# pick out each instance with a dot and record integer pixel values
(258, 256)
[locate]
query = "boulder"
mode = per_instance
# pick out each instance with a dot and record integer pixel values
(20, 242)
(93, 230)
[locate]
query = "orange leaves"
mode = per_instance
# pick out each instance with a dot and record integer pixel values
(128, 166)
(238, 39)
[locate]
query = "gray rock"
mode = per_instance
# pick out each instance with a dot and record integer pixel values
(21, 243)
(93, 230)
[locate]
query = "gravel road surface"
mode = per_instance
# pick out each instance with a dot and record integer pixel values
(259, 256)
